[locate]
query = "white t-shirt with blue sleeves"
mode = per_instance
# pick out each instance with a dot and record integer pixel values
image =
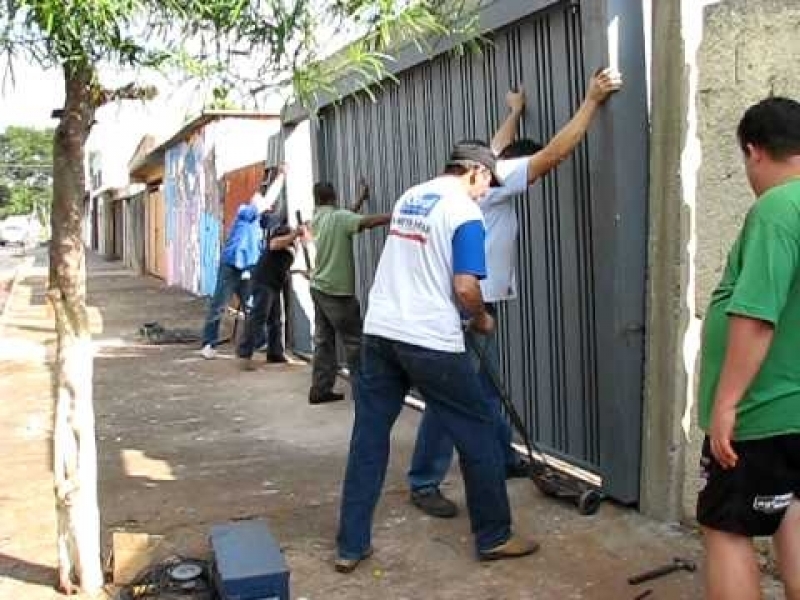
(501, 230)
(436, 231)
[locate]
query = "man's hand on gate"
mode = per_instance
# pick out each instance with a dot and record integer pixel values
(604, 83)
(515, 100)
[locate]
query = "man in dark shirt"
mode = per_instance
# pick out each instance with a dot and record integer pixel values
(268, 278)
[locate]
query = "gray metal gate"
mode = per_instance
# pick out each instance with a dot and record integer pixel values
(575, 328)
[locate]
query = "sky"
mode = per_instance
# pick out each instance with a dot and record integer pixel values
(30, 98)
(120, 126)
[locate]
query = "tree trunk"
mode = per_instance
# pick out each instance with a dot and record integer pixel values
(74, 447)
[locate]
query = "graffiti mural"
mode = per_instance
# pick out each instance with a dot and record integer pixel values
(193, 214)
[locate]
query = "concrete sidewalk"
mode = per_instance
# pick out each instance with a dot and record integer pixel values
(185, 443)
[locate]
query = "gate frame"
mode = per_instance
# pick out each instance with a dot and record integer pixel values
(620, 226)
(619, 197)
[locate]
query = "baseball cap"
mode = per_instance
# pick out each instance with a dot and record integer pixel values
(469, 152)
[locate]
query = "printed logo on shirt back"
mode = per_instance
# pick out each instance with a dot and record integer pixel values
(419, 205)
(411, 221)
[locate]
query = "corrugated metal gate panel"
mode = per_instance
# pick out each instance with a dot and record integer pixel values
(549, 334)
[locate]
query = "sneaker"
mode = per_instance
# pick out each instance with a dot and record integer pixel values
(348, 565)
(514, 547)
(521, 470)
(208, 352)
(246, 364)
(433, 503)
(263, 348)
(314, 398)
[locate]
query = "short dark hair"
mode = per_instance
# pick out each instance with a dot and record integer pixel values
(520, 148)
(324, 193)
(774, 125)
(457, 170)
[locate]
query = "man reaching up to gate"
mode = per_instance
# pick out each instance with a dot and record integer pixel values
(521, 164)
(333, 288)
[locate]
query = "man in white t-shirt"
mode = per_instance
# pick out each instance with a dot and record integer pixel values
(427, 278)
(522, 163)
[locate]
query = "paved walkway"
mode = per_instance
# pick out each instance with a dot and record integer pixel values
(185, 443)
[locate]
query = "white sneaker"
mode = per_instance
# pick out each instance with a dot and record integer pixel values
(208, 352)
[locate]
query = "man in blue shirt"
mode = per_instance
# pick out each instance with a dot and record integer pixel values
(521, 164)
(240, 254)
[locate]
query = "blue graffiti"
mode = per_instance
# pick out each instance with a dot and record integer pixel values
(210, 232)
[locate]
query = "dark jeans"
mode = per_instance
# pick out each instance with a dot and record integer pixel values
(433, 451)
(266, 310)
(450, 385)
(229, 282)
(334, 316)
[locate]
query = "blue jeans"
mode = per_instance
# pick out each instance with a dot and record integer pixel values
(266, 310)
(449, 383)
(433, 451)
(229, 282)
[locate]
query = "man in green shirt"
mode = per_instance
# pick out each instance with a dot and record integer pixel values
(749, 392)
(333, 288)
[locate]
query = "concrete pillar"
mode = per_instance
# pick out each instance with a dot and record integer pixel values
(665, 375)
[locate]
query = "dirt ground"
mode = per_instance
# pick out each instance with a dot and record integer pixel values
(186, 443)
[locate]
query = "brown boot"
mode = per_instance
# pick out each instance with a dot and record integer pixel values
(514, 547)
(348, 565)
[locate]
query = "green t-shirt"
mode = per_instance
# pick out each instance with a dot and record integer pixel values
(761, 280)
(333, 230)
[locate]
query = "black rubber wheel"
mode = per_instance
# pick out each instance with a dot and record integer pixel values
(589, 501)
(546, 487)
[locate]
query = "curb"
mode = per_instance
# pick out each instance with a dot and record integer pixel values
(15, 280)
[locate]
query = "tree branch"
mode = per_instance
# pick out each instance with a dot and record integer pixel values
(130, 91)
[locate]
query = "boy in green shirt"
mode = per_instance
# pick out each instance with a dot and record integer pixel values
(749, 392)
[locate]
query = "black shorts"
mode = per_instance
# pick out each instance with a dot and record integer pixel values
(751, 498)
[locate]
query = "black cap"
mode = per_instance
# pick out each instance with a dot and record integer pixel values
(468, 153)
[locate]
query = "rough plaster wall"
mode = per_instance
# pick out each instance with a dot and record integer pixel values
(750, 49)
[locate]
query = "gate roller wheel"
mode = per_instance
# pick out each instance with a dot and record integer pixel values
(589, 501)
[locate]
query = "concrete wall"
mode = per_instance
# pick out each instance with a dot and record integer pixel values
(715, 58)
(750, 50)
(299, 155)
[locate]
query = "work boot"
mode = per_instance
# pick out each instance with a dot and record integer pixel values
(514, 547)
(314, 398)
(246, 364)
(433, 503)
(348, 565)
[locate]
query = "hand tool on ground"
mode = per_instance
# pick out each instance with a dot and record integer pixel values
(549, 480)
(677, 564)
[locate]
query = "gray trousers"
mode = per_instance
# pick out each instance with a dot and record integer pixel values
(334, 316)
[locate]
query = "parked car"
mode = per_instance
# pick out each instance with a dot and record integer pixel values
(16, 230)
